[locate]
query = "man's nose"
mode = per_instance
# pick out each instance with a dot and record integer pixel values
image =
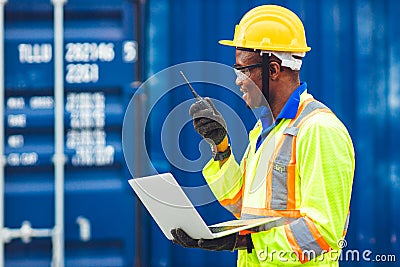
(238, 81)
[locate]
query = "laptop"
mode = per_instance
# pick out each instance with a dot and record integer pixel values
(171, 208)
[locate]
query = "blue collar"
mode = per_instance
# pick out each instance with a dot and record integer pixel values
(288, 111)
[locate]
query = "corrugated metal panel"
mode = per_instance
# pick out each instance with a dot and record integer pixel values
(98, 75)
(354, 67)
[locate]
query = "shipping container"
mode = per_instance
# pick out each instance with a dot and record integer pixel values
(353, 67)
(99, 56)
(126, 115)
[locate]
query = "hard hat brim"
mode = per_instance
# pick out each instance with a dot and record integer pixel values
(226, 42)
(255, 47)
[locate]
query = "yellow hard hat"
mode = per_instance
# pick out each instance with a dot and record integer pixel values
(270, 28)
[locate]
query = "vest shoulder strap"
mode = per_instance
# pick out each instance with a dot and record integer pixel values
(306, 110)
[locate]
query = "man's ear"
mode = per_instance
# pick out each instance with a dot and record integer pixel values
(274, 70)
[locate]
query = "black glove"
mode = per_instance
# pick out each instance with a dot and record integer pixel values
(182, 238)
(207, 121)
(218, 244)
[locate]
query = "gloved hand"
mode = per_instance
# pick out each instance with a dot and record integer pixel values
(218, 244)
(228, 242)
(183, 239)
(208, 121)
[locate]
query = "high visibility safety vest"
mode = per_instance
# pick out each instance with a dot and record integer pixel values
(302, 172)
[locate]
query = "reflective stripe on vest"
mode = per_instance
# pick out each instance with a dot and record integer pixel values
(346, 225)
(303, 236)
(283, 169)
(234, 205)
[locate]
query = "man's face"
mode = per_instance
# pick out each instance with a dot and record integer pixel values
(250, 79)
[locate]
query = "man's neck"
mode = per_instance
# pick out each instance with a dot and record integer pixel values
(284, 93)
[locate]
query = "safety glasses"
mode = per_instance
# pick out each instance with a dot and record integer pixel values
(244, 72)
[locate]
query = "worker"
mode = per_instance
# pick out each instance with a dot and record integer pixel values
(299, 164)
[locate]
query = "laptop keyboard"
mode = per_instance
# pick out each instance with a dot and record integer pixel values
(218, 229)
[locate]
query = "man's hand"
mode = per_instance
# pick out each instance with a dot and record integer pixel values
(218, 244)
(229, 242)
(183, 239)
(208, 121)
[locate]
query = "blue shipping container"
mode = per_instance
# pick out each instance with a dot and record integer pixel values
(353, 67)
(100, 59)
